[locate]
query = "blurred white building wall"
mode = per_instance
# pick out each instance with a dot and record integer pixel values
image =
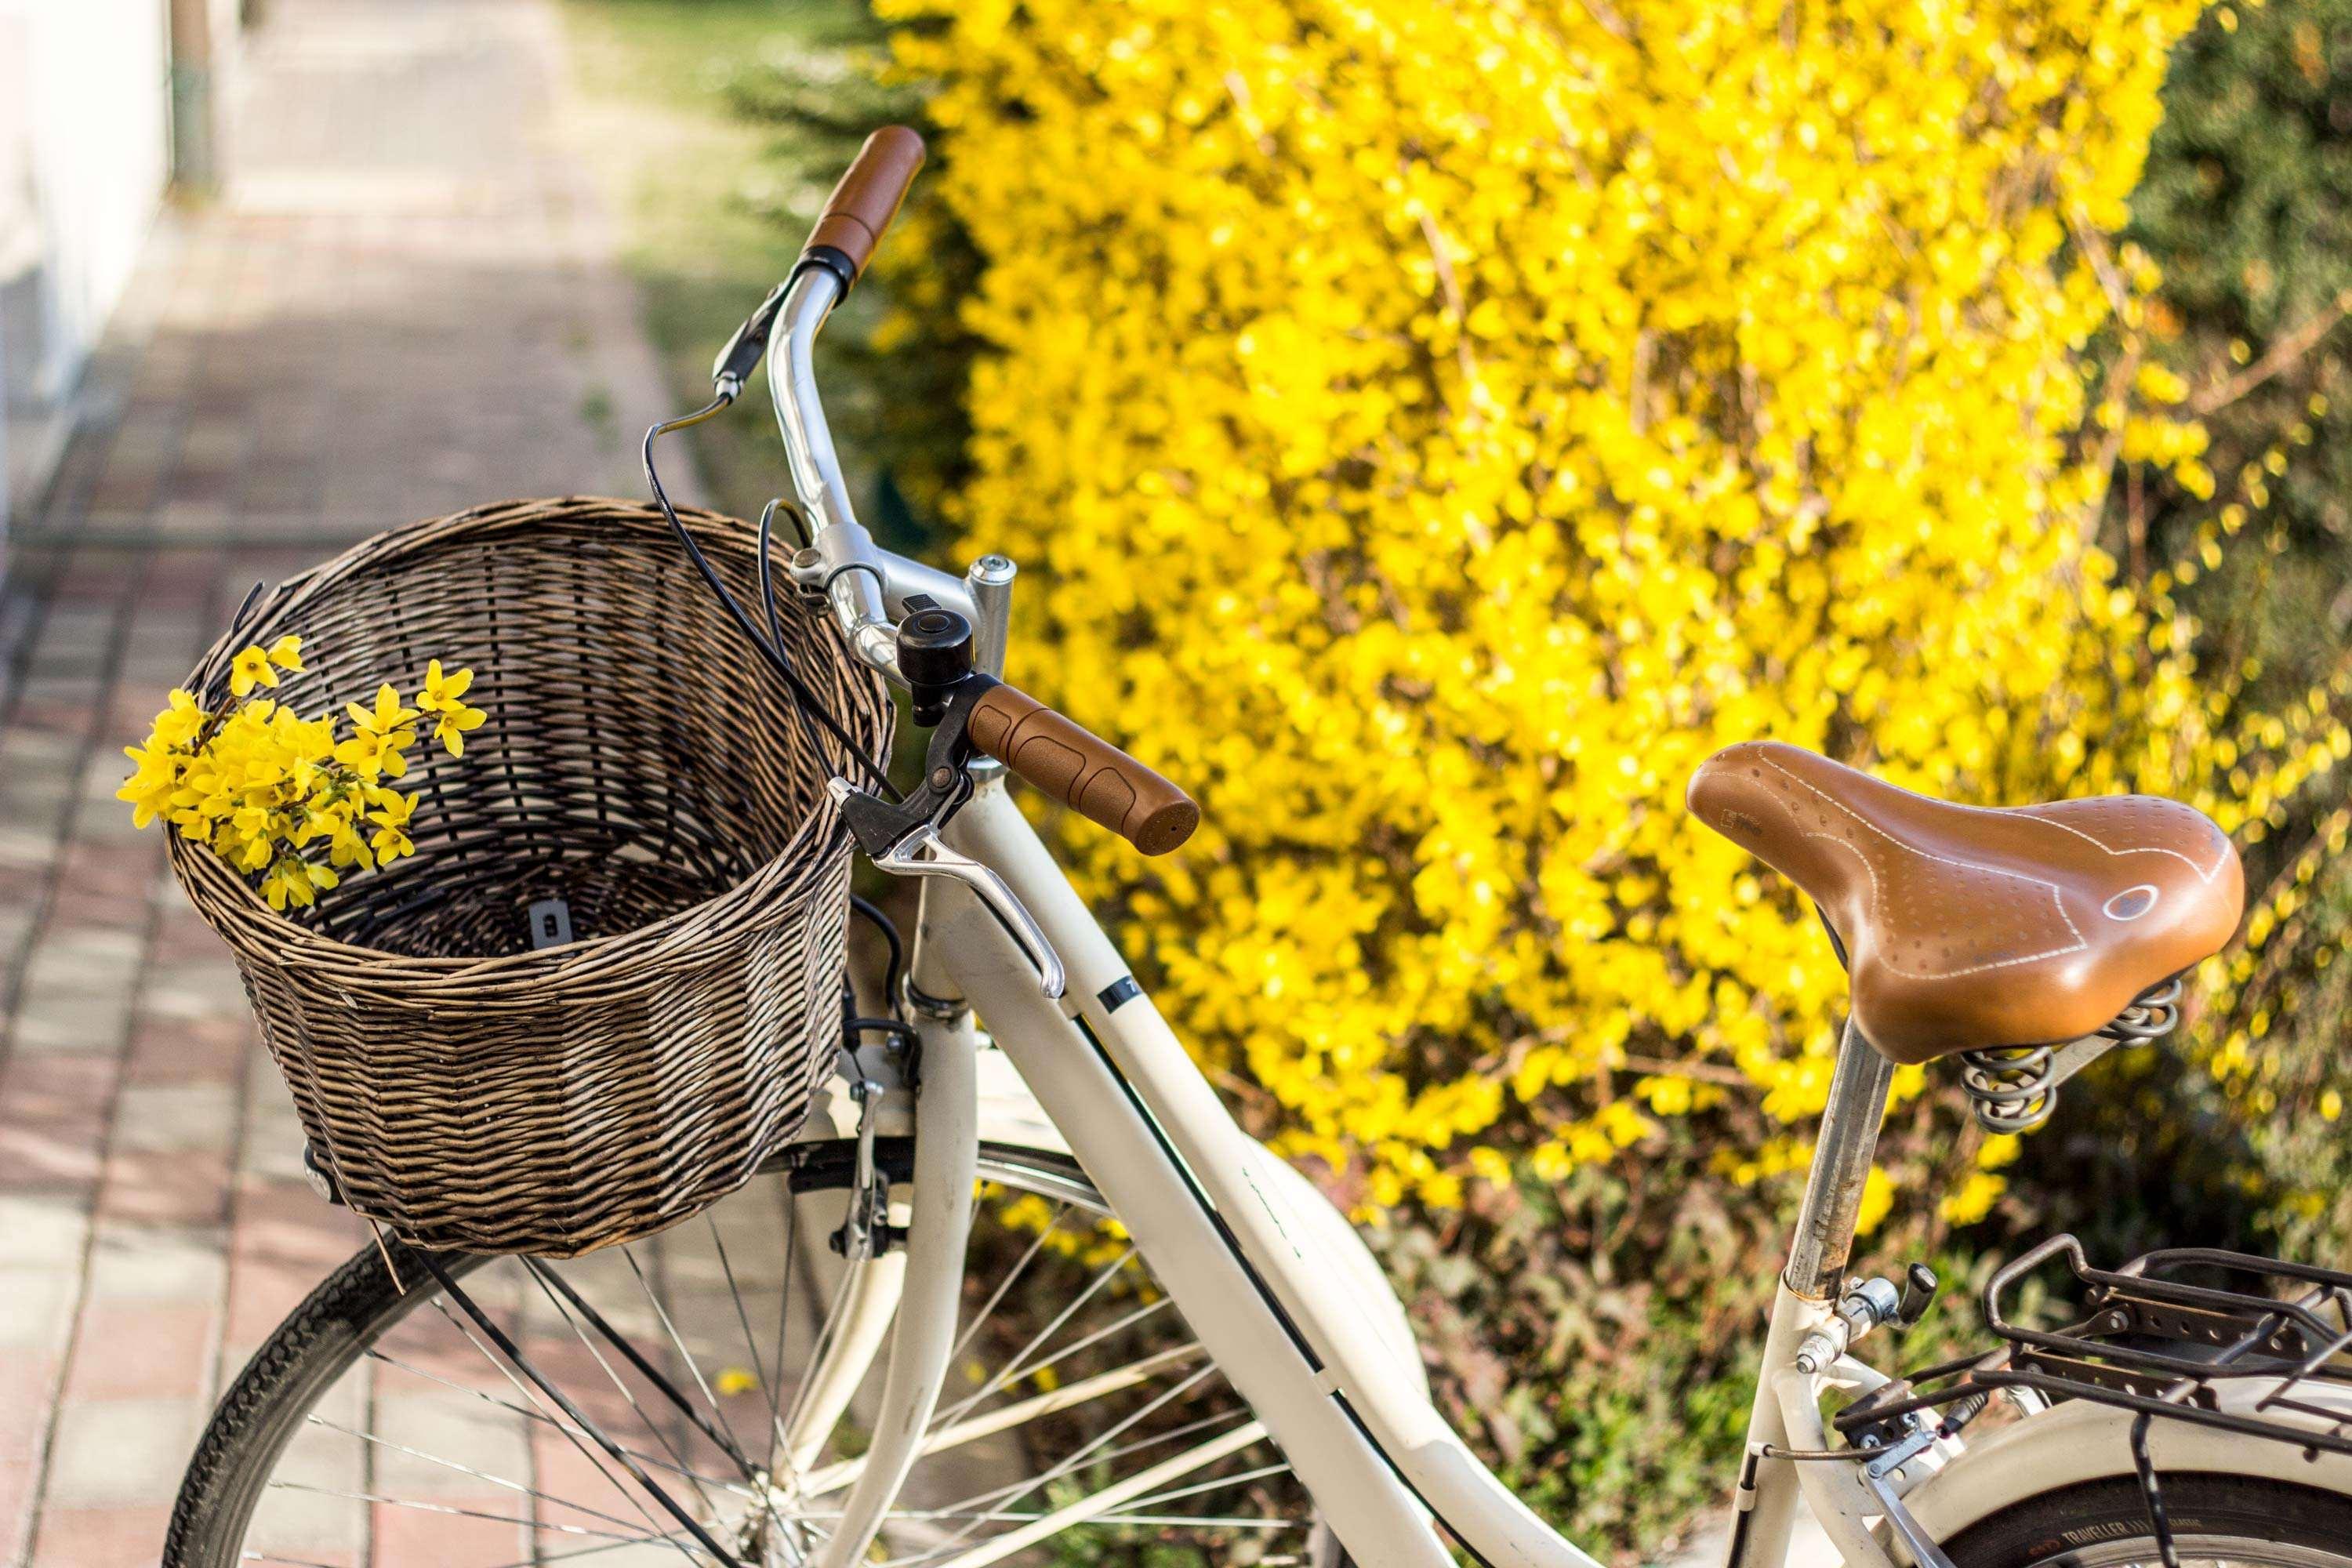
(85, 151)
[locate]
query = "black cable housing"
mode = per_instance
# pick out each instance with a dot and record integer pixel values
(806, 700)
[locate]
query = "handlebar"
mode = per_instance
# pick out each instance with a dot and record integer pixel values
(1083, 770)
(867, 587)
(862, 205)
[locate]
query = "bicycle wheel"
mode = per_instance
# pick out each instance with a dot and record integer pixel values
(630, 1407)
(2218, 1521)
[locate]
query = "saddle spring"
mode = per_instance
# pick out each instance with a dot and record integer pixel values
(2014, 1088)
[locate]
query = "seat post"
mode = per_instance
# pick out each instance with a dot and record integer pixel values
(1849, 1137)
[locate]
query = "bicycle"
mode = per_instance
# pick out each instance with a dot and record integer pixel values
(1223, 1376)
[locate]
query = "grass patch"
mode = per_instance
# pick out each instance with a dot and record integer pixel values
(714, 190)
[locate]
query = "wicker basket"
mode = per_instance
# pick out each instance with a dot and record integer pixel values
(463, 1089)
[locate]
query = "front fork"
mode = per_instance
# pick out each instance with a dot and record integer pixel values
(919, 1288)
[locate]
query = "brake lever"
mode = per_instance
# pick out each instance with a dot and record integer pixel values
(906, 848)
(740, 357)
(934, 650)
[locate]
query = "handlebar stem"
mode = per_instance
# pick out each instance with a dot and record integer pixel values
(990, 583)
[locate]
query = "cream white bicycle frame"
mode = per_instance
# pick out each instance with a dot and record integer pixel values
(1273, 1281)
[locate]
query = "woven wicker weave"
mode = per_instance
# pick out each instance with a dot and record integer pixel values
(464, 1089)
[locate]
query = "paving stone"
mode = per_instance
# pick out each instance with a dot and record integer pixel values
(451, 1433)
(157, 1187)
(142, 1348)
(325, 350)
(30, 753)
(37, 1309)
(86, 957)
(114, 1537)
(284, 1240)
(274, 1138)
(36, 789)
(58, 1155)
(80, 1016)
(28, 1382)
(15, 927)
(314, 1526)
(210, 1049)
(177, 1119)
(70, 692)
(139, 1262)
(202, 988)
(50, 1088)
(113, 1451)
(38, 1230)
(28, 843)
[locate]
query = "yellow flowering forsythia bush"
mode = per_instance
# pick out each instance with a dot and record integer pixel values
(262, 786)
(1434, 427)
(1439, 426)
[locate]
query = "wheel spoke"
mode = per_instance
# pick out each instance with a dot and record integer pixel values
(454, 1511)
(930, 1515)
(1003, 1418)
(545, 1420)
(1127, 1450)
(1015, 1490)
(1261, 1473)
(499, 1482)
(734, 1447)
(1003, 1376)
(1011, 1276)
(743, 1316)
(1013, 1375)
(549, 1281)
(538, 1559)
(514, 1353)
(784, 1311)
(596, 1434)
(827, 1334)
(1096, 1410)
(1110, 1497)
(574, 1436)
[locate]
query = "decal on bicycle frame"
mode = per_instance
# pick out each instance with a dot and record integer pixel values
(1118, 993)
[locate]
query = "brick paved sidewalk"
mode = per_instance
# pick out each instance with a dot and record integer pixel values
(405, 303)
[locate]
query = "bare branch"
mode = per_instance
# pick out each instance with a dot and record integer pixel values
(2279, 356)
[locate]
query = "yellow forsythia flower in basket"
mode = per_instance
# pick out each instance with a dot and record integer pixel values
(286, 798)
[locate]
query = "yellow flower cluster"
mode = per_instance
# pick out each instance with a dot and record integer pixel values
(265, 787)
(1439, 425)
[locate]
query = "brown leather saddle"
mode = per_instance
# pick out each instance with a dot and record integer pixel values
(1967, 927)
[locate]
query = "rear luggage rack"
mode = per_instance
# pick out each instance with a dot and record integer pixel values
(2185, 1334)
(2156, 1343)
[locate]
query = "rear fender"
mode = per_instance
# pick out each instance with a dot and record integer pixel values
(2078, 1441)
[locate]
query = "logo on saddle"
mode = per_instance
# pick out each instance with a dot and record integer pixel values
(1971, 929)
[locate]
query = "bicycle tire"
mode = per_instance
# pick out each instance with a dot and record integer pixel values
(324, 1337)
(2104, 1523)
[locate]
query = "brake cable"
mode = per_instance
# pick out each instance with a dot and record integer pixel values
(728, 380)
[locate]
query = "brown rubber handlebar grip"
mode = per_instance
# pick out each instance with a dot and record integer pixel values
(867, 198)
(1082, 770)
